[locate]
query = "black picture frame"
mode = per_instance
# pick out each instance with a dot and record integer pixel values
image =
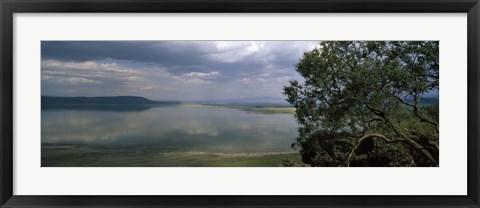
(9, 7)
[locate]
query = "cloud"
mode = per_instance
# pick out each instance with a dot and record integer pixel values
(183, 56)
(94, 76)
(196, 77)
(77, 80)
(184, 70)
(100, 78)
(202, 75)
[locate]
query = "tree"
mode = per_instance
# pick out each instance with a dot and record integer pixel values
(360, 103)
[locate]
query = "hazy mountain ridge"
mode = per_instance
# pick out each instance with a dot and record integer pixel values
(104, 100)
(137, 100)
(425, 101)
(250, 100)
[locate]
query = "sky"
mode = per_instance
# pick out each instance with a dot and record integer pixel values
(170, 70)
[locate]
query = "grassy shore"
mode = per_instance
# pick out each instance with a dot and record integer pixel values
(262, 109)
(100, 157)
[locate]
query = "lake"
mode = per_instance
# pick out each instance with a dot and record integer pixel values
(170, 135)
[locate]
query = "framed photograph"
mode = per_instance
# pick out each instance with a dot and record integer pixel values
(268, 103)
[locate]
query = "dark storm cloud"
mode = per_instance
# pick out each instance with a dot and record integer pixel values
(160, 52)
(178, 56)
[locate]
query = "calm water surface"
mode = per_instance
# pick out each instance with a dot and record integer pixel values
(176, 127)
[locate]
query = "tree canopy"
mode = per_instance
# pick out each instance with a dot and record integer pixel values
(362, 103)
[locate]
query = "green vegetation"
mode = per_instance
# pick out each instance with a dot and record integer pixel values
(271, 110)
(360, 104)
(69, 156)
(262, 109)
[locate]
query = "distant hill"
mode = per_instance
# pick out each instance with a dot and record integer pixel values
(116, 100)
(251, 100)
(425, 101)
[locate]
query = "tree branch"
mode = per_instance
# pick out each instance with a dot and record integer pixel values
(415, 111)
(407, 140)
(366, 136)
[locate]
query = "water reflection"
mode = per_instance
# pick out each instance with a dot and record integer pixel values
(170, 127)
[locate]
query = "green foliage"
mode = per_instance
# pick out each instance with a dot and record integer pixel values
(360, 88)
(292, 163)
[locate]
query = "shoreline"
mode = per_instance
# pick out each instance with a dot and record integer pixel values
(64, 156)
